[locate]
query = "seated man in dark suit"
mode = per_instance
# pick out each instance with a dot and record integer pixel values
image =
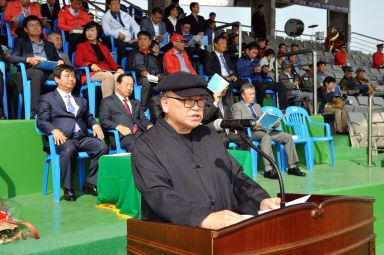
(215, 111)
(125, 115)
(197, 22)
(67, 118)
(50, 10)
(30, 51)
(219, 62)
(154, 25)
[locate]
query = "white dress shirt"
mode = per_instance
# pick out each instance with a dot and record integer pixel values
(71, 99)
(156, 27)
(122, 101)
(73, 102)
(173, 21)
(224, 71)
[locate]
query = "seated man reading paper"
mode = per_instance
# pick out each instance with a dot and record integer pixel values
(183, 171)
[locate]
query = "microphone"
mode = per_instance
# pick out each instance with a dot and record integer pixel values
(238, 124)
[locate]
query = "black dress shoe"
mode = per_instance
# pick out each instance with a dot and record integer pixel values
(296, 171)
(270, 174)
(69, 195)
(90, 189)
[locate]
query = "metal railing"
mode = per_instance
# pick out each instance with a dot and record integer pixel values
(95, 6)
(230, 25)
(370, 126)
(283, 34)
(314, 62)
(364, 43)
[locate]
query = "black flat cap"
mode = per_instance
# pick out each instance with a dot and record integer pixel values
(183, 84)
(380, 45)
(347, 69)
(360, 70)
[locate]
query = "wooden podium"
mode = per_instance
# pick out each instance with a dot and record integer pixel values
(323, 225)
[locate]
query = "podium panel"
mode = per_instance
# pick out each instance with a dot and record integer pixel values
(323, 225)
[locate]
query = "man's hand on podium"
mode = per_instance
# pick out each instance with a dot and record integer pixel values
(221, 219)
(270, 203)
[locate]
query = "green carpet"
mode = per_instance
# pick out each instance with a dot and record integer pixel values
(81, 228)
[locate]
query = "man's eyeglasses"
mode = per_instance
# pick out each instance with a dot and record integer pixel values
(189, 103)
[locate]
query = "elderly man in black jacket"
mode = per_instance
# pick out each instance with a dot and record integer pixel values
(183, 172)
(144, 64)
(31, 51)
(123, 114)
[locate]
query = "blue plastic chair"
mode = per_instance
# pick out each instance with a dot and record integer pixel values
(298, 119)
(2, 31)
(54, 157)
(25, 94)
(279, 148)
(206, 77)
(117, 138)
(113, 47)
(10, 37)
(91, 87)
(117, 142)
(4, 99)
(65, 42)
(55, 25)
(232, 145)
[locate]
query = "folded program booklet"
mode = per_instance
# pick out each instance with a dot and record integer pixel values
(47, 65)
(217, 84)
(268, 120)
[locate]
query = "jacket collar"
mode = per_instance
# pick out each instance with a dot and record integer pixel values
(146, 52)
(120, 103)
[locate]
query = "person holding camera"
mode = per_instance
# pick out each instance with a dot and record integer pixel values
(333, 103)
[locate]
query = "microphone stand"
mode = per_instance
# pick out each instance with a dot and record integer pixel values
(245, 138)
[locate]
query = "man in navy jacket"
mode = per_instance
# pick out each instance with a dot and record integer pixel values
(31, 51)
(67, 118)
(248, 66)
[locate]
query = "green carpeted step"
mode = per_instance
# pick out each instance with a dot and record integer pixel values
(345, 153)
(341, 140)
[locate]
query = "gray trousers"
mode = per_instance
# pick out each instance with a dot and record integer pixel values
(307, 96)
(278, 137)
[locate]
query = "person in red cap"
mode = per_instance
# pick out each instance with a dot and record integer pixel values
(176, 59)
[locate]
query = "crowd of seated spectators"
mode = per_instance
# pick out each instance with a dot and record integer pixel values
(141, 44)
